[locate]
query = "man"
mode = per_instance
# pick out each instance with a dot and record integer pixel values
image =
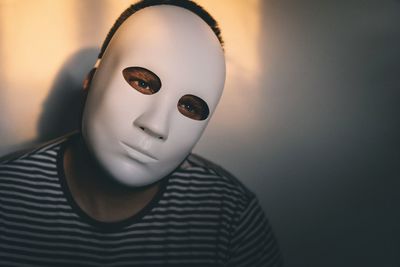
(126, 191)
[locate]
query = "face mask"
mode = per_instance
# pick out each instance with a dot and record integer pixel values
(153, 94)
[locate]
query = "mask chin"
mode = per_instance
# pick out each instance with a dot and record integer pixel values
(139, 176)
(132, 173)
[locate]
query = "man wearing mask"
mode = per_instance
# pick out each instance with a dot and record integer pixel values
(125, 190)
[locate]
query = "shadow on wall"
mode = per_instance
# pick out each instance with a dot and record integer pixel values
(62, 108)
(332, 148)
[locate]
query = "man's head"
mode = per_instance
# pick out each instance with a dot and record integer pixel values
(159, 80)
(189, 5)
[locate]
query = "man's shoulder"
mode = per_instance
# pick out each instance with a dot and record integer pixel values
(33, 174)
(206, 173)
(48, 148)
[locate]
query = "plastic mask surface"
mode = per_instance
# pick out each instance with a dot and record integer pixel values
(153, 94)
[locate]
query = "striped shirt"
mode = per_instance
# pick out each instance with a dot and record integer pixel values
(201, 216)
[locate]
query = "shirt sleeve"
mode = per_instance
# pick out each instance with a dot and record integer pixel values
(253, 242)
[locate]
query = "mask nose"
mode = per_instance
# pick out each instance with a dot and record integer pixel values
(154, 123)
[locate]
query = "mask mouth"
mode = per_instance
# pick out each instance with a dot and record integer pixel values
(138, 154)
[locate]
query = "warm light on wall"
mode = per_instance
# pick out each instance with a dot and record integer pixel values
(35, 43)
(240, 22)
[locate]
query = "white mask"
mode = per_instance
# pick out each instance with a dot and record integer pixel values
(153, 94)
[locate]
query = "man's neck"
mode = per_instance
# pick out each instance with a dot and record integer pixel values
(95, 192)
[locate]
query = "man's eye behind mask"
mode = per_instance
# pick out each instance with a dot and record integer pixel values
(147, 82)
(193, 107)
(142, 80)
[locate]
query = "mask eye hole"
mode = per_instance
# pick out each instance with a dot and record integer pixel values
(142, 80)
(193, 107)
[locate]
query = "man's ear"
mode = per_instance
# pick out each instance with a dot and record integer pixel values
(88, 79)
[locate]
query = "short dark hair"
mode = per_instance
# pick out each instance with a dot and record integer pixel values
(187, 4)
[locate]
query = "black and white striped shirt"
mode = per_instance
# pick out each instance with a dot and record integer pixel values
(202, 216)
